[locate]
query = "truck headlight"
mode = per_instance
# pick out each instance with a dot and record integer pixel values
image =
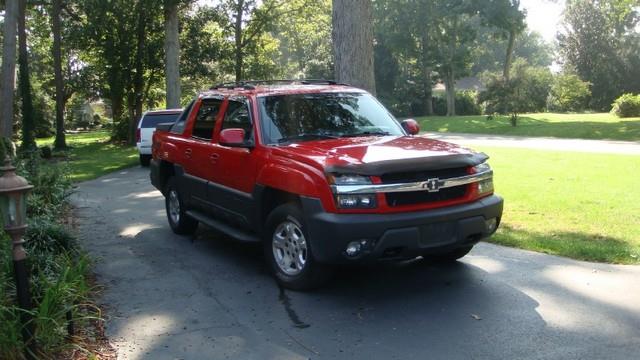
(484, 186)
(349, 201)
(349, 180)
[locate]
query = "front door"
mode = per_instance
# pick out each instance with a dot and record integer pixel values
(235, 174)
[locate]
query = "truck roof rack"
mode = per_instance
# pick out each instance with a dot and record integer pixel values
(251, 84)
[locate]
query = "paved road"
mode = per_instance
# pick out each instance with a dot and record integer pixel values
(173, 298)
(542, 143)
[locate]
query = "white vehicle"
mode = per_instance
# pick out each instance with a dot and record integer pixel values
(146, 128)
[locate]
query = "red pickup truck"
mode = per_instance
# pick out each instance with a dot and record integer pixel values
(322, 174)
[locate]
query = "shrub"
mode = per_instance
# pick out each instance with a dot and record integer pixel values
(627, 105)
(58, 269)
(46, 152)
(525, 91)
(568, 93)
(466, 104)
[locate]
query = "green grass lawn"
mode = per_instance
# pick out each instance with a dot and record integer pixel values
(583, 206)
(92, 155)
(579, 126)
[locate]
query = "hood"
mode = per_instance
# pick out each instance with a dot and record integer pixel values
(381, 155)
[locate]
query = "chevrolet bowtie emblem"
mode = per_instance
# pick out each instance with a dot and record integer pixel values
(432, 185)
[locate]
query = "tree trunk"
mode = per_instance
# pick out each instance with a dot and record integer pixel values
(60, 142)
(238, 39)
(509, 57)
(28, 141)
(136, 97)
(8, 74)
(426, 74)
(172, 53)
(450, 84)
(353, 43)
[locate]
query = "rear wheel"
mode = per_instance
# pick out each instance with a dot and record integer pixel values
(179, 221)
(288, 251)
(145, 160)
(450, 256)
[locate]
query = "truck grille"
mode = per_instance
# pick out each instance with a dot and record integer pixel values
(421, 197)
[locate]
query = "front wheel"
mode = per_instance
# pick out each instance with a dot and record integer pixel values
(179, 221)
(288, 251)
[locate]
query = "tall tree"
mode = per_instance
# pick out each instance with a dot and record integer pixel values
(8, 72)
(506, 17)
(595, 41)
(28, 125)
(353, 43)
(172, 53)
(56, 27)
(126, 48)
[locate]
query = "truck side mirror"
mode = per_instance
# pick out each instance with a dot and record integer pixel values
(233, 138)
(411, 126)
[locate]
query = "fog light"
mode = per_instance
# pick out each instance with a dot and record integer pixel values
(356, 201)
(491, 224)
(353, 249)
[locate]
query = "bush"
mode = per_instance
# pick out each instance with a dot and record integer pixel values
(466, 104)
(58, 269)
(568, 93)
(46, 152)
(627, 105)
(526, 90)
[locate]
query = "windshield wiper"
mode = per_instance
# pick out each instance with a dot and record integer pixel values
(306, 137)
(367, 133)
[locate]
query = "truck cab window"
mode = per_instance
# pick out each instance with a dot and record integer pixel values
(237, 117)
(206, 119)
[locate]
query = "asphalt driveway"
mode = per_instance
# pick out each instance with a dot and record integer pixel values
(173, 297)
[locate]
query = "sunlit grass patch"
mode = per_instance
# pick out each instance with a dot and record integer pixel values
(580, 205)
(578, 126)
(92, 154)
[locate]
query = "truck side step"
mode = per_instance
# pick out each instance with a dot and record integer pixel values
(233, 232)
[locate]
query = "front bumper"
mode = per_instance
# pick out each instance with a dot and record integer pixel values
(399, 235)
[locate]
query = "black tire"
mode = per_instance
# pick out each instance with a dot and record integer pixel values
(448, 257)
(145, 160)
(179, 221)
(311, 274)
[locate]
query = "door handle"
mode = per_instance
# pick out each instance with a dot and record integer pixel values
(214, 157)
(187, 153)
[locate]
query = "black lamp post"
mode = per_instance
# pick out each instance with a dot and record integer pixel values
(13, 204)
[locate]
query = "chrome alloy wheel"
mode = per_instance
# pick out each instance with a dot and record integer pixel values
(289, 248)
(174, 206)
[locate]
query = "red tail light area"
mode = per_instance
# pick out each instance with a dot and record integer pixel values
(138, 135)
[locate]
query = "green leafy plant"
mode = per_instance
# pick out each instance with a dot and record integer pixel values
(568, 93)
(627, 105)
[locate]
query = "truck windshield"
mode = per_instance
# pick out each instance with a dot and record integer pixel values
(304, 117)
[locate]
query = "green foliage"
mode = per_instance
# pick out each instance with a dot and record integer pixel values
(601, 41)
(489, 55)
(526, 91)
(466, 104)
(568, 93)
(58, 269)
(627, 105)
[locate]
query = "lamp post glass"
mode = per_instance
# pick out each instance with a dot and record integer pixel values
(14, 209)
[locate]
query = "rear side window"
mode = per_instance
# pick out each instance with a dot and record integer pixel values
(206, 119)
(152, 120)
(178, 127)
